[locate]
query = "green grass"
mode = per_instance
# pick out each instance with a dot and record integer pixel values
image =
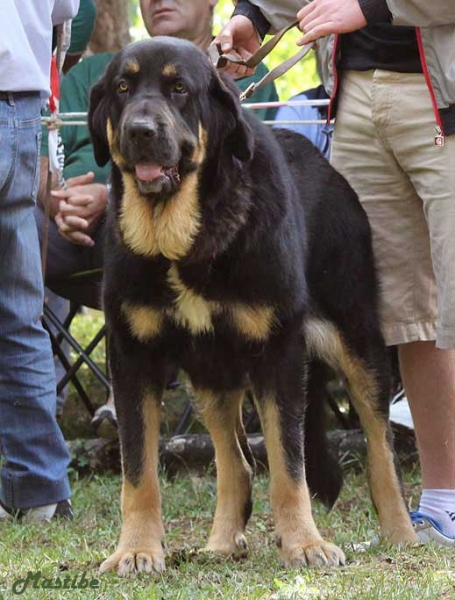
(70, 549)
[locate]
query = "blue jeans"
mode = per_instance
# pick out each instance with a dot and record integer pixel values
(34, 453)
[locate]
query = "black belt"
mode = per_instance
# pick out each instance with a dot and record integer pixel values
(6, 95)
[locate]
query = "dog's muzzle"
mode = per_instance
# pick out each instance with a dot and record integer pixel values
(153, 151)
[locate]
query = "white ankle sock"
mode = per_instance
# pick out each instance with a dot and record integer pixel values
(440, 505)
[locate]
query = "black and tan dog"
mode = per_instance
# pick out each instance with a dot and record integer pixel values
(239, 255)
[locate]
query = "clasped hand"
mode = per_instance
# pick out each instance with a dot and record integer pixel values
(81, 207)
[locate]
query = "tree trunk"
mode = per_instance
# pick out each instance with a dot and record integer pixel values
(112, 27)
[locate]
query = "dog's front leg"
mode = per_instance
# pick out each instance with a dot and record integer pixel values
(280, 402)
(221, 414)
(298, 539)
(140, 548)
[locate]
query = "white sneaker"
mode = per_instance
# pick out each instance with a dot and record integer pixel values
(104, 422)
(62, 509)
(429, 530)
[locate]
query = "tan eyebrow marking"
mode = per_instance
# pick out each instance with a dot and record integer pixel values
(132, 66)
(170, 70)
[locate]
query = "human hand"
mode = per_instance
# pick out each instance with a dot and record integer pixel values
(81, 206)
(323, 17)
(239, 37)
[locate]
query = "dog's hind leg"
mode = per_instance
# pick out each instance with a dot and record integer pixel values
(281, 404)
(243, 439)
(364, 363)
(221, 414)
(140, 548)
(372, 405)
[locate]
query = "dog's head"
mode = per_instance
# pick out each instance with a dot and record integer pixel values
(159, 110)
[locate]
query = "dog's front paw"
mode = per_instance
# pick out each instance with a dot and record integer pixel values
(228, 545)
(316, 554)
(131, 561)
(401, 534)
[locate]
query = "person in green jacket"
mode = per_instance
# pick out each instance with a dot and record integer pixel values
(389, 64)
(81, 30)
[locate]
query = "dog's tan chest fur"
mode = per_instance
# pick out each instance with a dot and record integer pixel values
(196, 314)
(168, 229)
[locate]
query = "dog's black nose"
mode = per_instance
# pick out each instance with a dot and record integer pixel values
(142, 131)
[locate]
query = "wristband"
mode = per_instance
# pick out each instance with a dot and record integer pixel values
(253, 13)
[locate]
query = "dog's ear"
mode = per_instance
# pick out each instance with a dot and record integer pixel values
(239, 138)
(97, 121)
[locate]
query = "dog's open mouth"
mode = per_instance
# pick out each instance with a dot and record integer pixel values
(153, 178)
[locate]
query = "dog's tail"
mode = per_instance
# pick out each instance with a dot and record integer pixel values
(323, 471)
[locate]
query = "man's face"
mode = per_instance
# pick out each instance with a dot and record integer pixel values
(179, 18)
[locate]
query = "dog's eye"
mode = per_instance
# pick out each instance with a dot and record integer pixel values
(122, 87)
(179, 88)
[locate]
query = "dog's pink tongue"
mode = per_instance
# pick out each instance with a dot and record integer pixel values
(148, 171)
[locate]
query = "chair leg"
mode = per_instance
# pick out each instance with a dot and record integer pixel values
(51, 321)
(73, 377)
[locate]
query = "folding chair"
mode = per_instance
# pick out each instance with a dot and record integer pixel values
(82, 289)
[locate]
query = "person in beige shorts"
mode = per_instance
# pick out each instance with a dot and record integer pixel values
(384, 145)
(392, 74)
